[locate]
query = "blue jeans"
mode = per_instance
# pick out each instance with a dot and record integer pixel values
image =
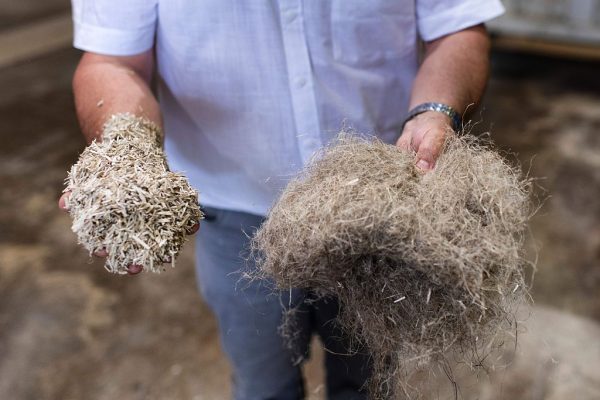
(250, 313)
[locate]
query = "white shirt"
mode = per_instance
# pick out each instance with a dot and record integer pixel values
(250, 89)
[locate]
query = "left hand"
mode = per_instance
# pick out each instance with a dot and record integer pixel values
(426, 134)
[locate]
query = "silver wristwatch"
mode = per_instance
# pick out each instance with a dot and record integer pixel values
(438, 107)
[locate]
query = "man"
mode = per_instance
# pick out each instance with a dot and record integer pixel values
(249, 90)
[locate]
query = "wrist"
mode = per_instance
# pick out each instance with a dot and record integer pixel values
(431, 116)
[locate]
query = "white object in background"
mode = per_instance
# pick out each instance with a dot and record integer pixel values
(563, 21)
(583, 12)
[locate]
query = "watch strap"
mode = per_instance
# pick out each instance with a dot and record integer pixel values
(437, 107)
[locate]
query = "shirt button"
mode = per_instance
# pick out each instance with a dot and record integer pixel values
(300, 82)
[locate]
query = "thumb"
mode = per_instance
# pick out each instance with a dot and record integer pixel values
(430, 149)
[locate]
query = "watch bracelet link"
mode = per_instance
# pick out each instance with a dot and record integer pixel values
(437, 107)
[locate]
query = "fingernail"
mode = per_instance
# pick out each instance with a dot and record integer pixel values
(100, 253)
(423, 164)
(134, 269)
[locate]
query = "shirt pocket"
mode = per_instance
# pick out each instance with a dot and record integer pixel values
(367, 33)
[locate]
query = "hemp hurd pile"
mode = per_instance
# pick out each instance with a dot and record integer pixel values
(125, 200)
(422, 264)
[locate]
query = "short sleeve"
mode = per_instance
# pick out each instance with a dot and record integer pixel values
(114, 27)
(436, 18)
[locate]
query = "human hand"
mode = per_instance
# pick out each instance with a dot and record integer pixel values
(426, 134)
(131, 269)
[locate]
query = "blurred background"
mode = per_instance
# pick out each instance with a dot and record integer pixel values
(69, 330)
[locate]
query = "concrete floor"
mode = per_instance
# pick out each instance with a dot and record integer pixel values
(69, 330)
(547, 112)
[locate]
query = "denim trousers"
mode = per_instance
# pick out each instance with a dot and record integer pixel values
(249, 315)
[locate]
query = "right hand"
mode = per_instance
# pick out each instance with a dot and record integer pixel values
(131, 269)
(425, 135)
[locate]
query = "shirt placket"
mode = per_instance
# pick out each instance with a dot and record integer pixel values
(300, 78)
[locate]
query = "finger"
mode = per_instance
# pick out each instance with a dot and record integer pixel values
(415, 142)
(100, 253)
(404, 142)
(193, 229)
(63, 201)
(430, 148)
(134, 269)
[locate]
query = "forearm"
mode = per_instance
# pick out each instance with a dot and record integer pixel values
(454, 71)
(105, 85)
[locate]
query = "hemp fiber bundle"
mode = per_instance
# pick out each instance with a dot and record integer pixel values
(125, 200)
(421, 263)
